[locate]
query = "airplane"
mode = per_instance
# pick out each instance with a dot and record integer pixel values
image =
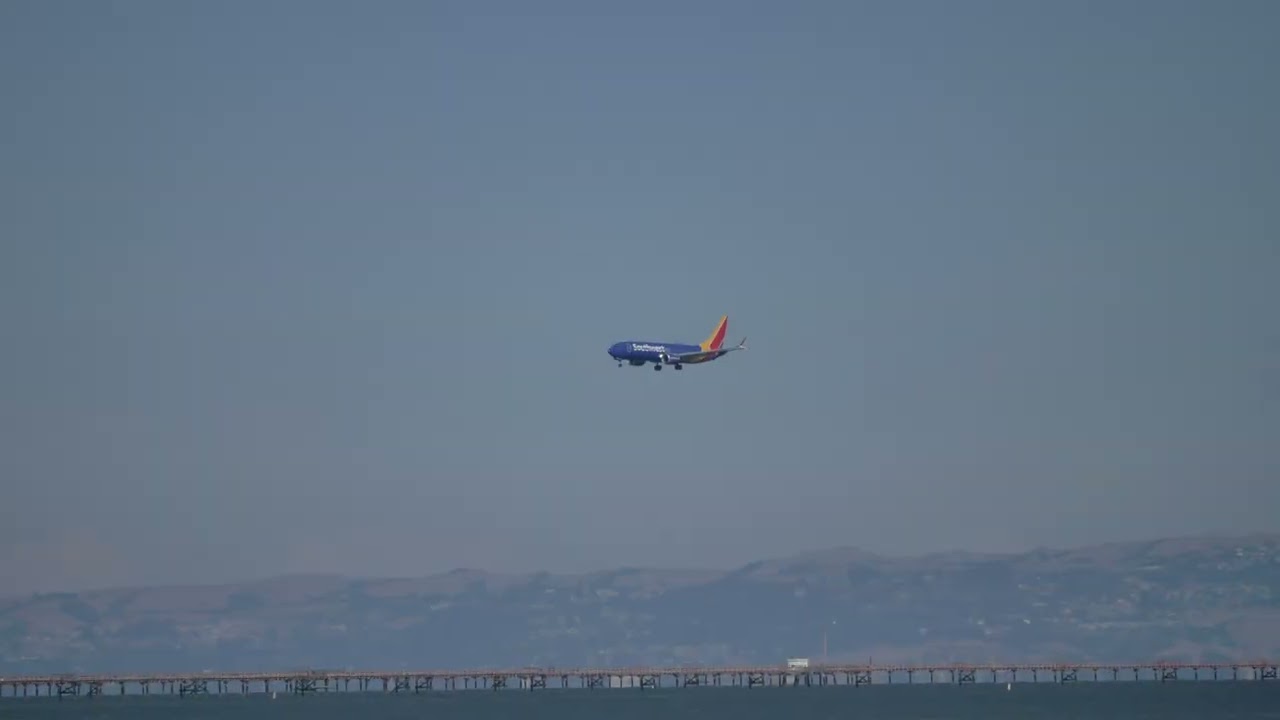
(639, 353)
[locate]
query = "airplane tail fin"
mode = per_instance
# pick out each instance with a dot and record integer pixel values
(716, 338)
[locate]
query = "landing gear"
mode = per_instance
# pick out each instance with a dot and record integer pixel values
(657, 367)
(679, 366)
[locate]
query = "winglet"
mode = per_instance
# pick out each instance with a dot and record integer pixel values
(716, 338)
(743, 345)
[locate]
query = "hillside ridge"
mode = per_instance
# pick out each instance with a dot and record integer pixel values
(1198, 598)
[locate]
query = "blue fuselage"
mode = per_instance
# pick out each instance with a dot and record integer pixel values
(639, 352)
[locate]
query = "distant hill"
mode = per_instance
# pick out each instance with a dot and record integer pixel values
(1186, 598)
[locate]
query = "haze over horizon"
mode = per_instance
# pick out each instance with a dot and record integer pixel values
(324, 287)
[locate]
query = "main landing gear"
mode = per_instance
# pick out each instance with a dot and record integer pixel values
(656, 365)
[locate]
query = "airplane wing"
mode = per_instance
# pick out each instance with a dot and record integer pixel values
(697, 355)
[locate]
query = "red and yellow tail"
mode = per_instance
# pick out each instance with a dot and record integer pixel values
(716, 338)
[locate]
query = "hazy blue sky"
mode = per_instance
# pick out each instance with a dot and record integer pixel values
(326, 286)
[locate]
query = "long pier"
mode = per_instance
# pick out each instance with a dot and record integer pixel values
(305, 682)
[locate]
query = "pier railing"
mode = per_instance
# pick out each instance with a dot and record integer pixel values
(528, 678)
